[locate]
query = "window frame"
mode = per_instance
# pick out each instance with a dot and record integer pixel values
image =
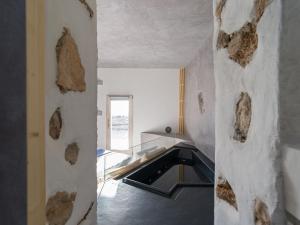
(108, 116)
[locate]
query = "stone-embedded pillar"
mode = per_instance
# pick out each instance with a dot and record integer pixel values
(13, 113)
(71, 111)
(246, 64)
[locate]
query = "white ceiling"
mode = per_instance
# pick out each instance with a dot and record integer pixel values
(152, 33)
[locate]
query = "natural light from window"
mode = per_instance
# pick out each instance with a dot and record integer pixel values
(119, 124)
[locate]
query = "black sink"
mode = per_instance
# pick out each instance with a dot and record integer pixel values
(182, 166)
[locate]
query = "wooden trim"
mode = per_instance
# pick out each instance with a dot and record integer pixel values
(108, 122)
(181, 100)
(35, 44)
(130, 121)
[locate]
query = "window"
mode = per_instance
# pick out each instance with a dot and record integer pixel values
(119, 122)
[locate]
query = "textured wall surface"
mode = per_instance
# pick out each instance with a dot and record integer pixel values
(200, 101)
(12, 113)
(252, 168)
(151, 33)
(78, 110)
(290, 104)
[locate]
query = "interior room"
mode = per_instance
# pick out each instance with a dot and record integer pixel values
(151, 51)
(148, 112)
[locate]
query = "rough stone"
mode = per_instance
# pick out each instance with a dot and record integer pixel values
(223, 40)
(259, 9)
(59, 208)
(71, 74)
(71, 153)
(243, 44)
(55, 124)
(201, 102)
(243, 117)
(262, 216)
(219, 10)
(225, 192)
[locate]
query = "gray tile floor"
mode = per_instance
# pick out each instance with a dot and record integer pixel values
(122, 204)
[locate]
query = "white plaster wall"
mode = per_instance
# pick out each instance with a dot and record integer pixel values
(290, 104)
(291, 168)
(155, 98)
(251, 168)
(78, 109)
(200, 126)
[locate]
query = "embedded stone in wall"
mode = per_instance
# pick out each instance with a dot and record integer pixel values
(70, 74)
(59, 208)
(223, 40)
(242, 117)
(219, 10)
(225, 192)
(243, 44)
(262, 216)
(71, 153)
(201, 103)
(55, 124)
(259, 9)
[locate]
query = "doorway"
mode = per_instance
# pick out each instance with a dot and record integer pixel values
(119, 122)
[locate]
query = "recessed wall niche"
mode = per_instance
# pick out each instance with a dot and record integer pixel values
(243, 114)
(70, 72)
(59, 208)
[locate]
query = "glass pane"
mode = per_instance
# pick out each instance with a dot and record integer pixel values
(119, 124)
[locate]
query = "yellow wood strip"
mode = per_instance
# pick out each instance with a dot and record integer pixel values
(35, 112)
(181, 100)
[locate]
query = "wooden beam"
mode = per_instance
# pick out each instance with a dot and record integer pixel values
(35, 32)
(181, 100)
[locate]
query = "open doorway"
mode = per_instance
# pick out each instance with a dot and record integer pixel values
(144, 47)
(119, 122)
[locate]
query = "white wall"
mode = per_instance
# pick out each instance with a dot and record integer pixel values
(155, 98)
(290, 104)
(200, 123)
(78, 109)
(253, 167)
(291, 168)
